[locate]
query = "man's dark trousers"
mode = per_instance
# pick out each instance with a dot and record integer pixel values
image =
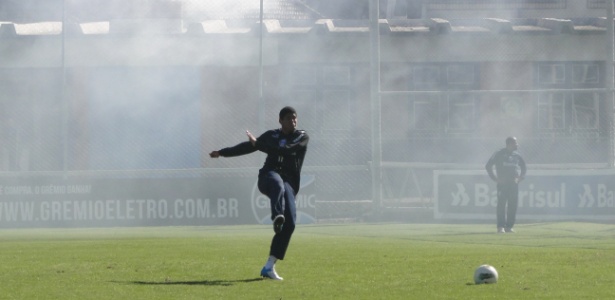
(508, 195)
(282, 198)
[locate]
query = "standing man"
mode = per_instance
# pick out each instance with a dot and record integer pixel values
(278, 178)
(509, 171)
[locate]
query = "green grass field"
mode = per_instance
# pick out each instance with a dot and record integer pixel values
(350, 261)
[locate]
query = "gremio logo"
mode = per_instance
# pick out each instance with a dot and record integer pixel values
(305, 201)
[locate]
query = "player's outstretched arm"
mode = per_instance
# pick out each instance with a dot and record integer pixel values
(242, 148)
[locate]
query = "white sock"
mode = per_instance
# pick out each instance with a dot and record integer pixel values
(271, 262)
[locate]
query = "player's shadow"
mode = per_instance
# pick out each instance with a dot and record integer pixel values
(196, 282)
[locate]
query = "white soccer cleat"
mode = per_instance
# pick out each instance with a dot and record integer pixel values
(501, 230)
(270, 273)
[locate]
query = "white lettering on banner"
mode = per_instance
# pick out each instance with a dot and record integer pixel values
(16, 211)
(49, 189)
(52, 189)
(17, 190)
(543, 198)
(191, 208)
(228, 208)
(112, 209)
(587, 198)
(604, 199)
(461, 197)
(79, 189)
(483, 197)
(262, 201)
(544, 195)
(306, 201)
(302, 201)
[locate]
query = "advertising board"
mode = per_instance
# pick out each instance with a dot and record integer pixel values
(111, 202)
(543, 195)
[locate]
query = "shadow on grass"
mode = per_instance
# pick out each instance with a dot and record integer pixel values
(200, 282)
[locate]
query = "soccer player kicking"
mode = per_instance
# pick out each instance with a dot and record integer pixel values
(278, 178)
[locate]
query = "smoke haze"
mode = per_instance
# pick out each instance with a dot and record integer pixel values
(109, 90)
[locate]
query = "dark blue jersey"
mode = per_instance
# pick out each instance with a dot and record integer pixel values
(285, 153)
(509, 166)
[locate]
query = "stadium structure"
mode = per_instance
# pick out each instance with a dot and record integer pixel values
(109, 108)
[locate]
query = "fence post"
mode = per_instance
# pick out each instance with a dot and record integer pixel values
(374, 39)
(609, 78)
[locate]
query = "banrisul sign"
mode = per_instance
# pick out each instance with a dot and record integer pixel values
(104, 202)
(544, 195)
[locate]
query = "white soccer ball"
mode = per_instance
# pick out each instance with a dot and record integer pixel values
(485, 274)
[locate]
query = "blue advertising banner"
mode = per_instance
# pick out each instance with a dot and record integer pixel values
(543, 195)
(110, 202)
